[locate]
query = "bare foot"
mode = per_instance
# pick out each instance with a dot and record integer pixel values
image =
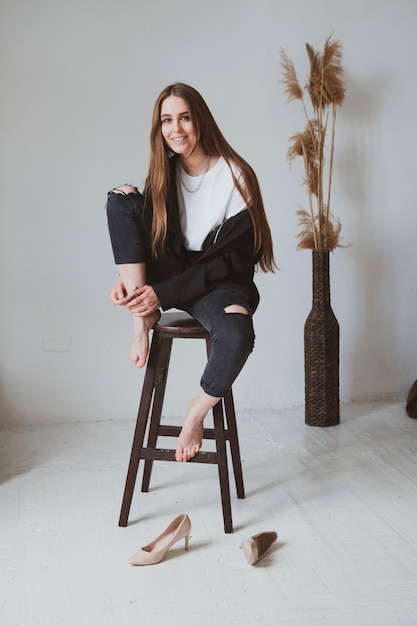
(138, 351)
(191, 435)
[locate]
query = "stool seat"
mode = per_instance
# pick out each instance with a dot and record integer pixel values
(179, 325)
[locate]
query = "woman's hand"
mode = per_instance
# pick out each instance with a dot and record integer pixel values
(142, 301)
(118, 293)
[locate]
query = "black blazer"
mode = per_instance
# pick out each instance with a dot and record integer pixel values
(227, 260)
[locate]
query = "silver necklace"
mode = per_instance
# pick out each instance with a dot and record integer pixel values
(203, 172)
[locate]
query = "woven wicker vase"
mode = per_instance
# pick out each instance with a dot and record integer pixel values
(321, 351)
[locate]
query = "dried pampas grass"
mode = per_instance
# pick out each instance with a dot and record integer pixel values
(318, 229)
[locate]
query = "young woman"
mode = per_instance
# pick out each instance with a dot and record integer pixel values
(192, 241)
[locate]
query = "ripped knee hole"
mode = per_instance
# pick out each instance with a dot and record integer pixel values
(236, 308)
(125, 189)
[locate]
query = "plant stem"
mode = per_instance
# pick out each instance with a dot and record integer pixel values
(331, 160)
(320, 158)
(310, 126)
(310, 200)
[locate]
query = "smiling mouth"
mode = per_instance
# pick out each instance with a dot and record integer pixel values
(179, 139)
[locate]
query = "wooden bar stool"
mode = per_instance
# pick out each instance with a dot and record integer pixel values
(179, 326)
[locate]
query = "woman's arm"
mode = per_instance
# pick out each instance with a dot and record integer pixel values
(228, 256)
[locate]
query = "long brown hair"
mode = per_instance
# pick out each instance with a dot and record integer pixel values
(213, 142)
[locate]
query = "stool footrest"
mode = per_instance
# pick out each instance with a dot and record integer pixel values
(174, 431)
(164, 454)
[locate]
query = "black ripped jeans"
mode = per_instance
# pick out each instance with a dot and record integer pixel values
(232, 334)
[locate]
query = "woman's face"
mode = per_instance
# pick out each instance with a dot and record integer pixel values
(177, 127)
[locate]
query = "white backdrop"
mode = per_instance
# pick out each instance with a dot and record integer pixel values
(78, 84)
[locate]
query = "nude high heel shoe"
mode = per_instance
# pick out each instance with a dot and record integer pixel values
(256, 547)
(155, 551)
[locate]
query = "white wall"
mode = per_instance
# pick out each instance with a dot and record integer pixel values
(78, 83)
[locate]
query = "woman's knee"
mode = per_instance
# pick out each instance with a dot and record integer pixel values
(236, 308)
(124, 190)
(236, 333)
(124, 201)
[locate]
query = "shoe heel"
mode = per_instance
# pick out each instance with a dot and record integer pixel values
(187, 540)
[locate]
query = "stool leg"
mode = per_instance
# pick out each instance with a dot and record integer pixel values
(222, 466)
(234, 444)
(143, 412)
(160, 384)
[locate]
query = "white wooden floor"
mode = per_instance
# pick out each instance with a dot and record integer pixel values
(343, 501)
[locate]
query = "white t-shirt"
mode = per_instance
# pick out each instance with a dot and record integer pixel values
(215, 201)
